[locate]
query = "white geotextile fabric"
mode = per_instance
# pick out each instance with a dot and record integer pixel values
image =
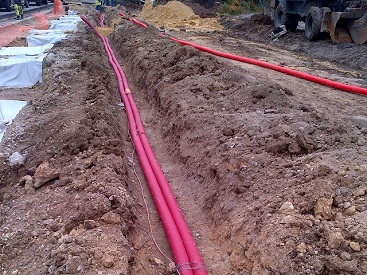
(8, 111)
(22, 66)
(20, 71)
(67, 22)
(26, 51)
(43, 37)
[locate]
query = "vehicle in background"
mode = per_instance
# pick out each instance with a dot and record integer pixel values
(345, 20)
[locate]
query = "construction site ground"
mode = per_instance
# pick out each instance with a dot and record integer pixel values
(269, 170)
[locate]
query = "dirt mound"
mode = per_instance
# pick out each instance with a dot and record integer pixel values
(175, 15)
(254, 148)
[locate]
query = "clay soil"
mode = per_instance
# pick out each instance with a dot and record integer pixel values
(269, 170)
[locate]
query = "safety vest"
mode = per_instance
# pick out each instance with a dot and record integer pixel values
(98, 2)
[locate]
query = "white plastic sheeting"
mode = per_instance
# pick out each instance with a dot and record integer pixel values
(24, 51)
(8, 111)
(22, 66)
(21, 71)
(43, 37)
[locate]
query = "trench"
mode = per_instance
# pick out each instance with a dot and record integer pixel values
(234, 145)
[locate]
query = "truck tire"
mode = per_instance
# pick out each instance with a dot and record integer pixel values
(281, 17)
(313, 23)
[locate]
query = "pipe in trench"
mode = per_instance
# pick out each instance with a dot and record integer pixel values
(183, 246)
(302, 75)
(189, 242)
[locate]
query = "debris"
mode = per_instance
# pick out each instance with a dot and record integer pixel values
(44, 173)
(16, 159)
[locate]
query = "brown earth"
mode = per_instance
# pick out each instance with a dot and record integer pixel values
(269, 170)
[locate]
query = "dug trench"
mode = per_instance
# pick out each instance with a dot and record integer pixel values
(270, 180)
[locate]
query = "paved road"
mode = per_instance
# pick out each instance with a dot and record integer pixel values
(32, 8)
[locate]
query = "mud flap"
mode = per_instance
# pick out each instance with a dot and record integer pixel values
(358, 30)
(338, 35)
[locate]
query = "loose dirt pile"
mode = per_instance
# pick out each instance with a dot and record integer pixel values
(270, 171)
(175, 15)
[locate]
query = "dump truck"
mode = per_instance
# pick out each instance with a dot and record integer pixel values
(344, 20)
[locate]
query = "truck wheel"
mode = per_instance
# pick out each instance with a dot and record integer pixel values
(281, 17)
(313, 23)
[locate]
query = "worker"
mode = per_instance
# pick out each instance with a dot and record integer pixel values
(98, 5)
(18, 6)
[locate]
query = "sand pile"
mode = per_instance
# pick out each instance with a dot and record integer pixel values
(175, 15)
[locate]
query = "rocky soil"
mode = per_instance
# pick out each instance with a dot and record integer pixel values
(269, 170)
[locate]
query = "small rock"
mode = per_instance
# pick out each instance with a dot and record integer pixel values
(286, 208)
(335, 240)
(227, 131)
(65, 239)
(107, 260)
(350, 211)
(16, 159)
(79, 184)
(323, 208)
(52, 269)
(158, 261)
(111, 218)
(347, 204)
(361, 141)
(360, 192)
(90, 224)
(302, 248)
(71, 266)
(44, 173)
(360, 237)
(28, 184)
(345, 256)
(355, 246)
(339, 217)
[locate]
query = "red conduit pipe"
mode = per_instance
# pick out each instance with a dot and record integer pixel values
(178, 249)
(306, 76)
(141, 24)
(194, 256)
(309, 77)
(189, 242)
(132, 19)
(197, 267)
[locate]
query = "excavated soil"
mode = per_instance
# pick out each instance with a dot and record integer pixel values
(269, 170)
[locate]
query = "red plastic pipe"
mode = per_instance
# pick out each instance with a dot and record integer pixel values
(194, 256)
(141, 24)
(169, 220)
(196, 262)
(306, 76)
(309, 77)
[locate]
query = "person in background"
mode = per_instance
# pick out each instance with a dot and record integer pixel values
(98, 5)
(18, 6)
